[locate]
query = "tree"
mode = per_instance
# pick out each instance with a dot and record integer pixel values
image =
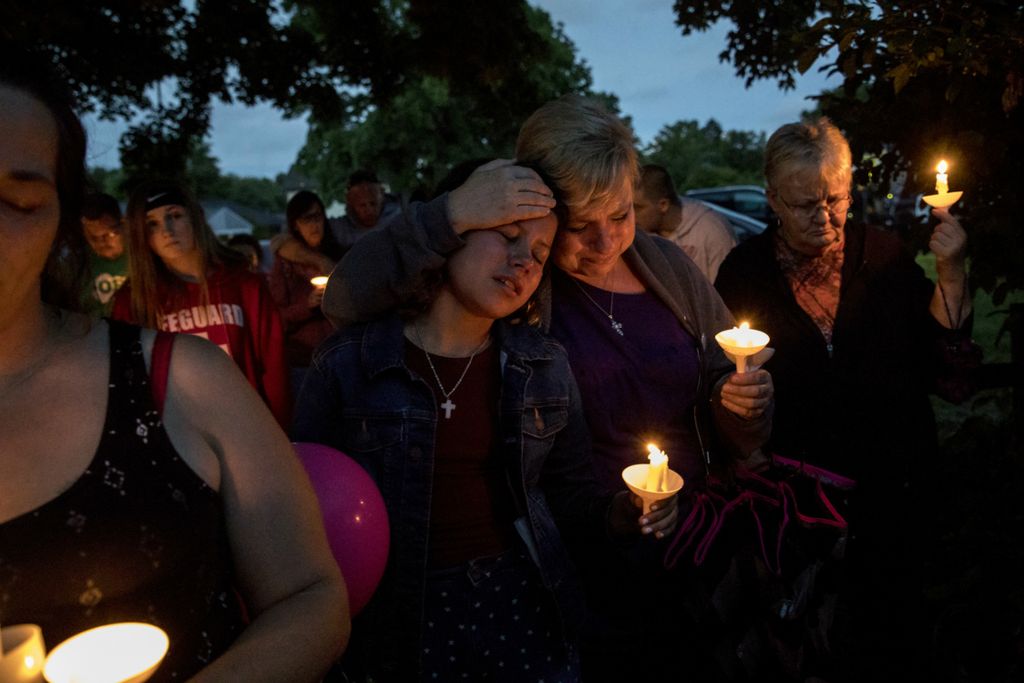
(706, 156)
(921, 79)
(202, 173)
(160, 63)
(471, 74)
(465, 73)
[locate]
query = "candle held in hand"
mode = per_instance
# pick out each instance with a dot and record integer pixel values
(741, 342)
(657, 471)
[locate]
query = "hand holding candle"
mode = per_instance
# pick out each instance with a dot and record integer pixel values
(316, 295)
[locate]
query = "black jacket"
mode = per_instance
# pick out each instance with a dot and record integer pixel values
(860, 407)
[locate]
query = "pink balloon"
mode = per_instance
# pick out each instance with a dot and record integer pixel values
(354, 516)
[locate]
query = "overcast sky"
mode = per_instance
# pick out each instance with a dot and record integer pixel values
(633, 48)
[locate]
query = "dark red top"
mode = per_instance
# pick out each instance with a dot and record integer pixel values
(471, 506)
(239, 316)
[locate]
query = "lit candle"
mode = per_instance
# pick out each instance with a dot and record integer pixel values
(741, 342)
(21, 654)
(108, 654)
(320, 281)
(657, 471)
(941, 178)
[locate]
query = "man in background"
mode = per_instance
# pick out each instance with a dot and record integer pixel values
(366, 206)
(699, 230)
(108, 261)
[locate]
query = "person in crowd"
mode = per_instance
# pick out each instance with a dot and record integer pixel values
(182, 279)
(700, 231)
(291, 285)
(470, 421)
(248, 246)
(854, 322)
(637, 320)
(366, 204)
(108, 261)
(141, 481)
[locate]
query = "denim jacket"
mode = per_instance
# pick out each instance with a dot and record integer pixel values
(360, 398)
(390, 265)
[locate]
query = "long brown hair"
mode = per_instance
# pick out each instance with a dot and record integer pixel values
(146, 271)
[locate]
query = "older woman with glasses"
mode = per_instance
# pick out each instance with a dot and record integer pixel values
(854, 322)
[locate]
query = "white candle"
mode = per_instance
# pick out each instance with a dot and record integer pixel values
(320, 281)
(108, 654)
(21, 654)
(657, 471)
(741, 342)
(941, 178)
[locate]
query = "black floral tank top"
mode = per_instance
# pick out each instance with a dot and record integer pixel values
(138, 537)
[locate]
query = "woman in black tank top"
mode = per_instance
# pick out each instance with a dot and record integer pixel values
(181, 506)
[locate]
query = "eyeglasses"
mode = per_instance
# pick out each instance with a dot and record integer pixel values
(808, 210)
(312, 217)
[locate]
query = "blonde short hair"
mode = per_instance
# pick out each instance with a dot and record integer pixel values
(582, 147)
(808, 143)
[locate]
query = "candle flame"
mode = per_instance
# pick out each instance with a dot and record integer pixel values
(655, 454)
(744, 325)
(943, 166)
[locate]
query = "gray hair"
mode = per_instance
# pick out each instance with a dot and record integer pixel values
(808, 143)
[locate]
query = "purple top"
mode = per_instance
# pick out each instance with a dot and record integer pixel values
(637, 387)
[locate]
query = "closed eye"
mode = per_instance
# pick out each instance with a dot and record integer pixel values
(20, 207)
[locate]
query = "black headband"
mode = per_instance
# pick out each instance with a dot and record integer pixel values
(158, 198)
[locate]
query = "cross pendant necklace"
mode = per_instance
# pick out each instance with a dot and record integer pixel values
(449, 405)
(616, 325)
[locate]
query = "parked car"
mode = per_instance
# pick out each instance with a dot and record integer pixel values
(749, 200)
(743, 226)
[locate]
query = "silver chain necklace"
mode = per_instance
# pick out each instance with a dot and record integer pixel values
(448, 406)
(616, 325)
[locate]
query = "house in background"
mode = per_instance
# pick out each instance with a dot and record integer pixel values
(228, 218)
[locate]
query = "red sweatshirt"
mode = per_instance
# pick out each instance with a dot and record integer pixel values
(241, 319)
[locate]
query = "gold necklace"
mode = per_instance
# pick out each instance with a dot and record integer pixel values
(448, 406)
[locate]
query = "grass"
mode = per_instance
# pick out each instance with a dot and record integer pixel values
(989, 320)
